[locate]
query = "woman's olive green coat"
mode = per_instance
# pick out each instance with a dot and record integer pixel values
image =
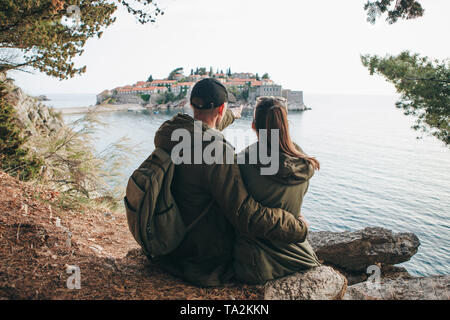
(258, 260)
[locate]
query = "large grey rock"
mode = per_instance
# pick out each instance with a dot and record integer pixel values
(321, 283)
(54, 124)
(42, 98)
(31, 115)
(355, 251)
(426, 288)
(386, 272)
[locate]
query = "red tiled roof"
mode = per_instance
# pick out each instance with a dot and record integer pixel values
(234, 84)
(152, 88)
(240, 80)
(163, 81)
(125, 89)
(132, 89)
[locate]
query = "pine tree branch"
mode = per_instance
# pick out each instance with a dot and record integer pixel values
(427, 79)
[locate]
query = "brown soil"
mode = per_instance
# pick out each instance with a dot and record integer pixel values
(35, 253)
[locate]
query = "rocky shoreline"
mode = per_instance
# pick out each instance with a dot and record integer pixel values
(359, 265)
(131, 107)
(98, 109)
(177, 106)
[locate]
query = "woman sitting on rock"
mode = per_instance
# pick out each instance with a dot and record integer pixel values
(259, 260)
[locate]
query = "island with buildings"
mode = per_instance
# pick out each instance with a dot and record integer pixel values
(173, 91)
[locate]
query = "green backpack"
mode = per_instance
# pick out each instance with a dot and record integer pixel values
(153, 216)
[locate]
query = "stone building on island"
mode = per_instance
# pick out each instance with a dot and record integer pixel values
(295, 99)
(264, 90)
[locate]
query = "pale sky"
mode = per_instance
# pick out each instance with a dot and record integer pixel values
(307, 45)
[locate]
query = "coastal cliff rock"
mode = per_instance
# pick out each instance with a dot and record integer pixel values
(321, 283)
(425, 288)
(32, 116)
(355, 251)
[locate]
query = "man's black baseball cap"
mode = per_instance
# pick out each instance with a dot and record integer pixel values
(209, 93)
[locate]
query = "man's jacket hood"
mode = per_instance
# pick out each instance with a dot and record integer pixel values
(164, 134)
(163, 137)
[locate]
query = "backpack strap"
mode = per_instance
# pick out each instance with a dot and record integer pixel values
(196, 221)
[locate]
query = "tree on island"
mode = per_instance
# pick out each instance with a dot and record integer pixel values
(145, 97)
(174, 72)
(150, 79)
(201, 71)
(169, 96)
(266, 76)
(47, 35)
(422, 82)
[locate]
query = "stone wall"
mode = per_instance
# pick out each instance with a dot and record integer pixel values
(264, 90)
(128, 99)
(293, 97)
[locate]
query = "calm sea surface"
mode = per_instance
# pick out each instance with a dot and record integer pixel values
(374, 172)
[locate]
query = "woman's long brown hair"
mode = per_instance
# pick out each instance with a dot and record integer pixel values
(271, 114)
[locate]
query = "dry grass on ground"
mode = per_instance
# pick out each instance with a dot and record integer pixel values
(35, 252)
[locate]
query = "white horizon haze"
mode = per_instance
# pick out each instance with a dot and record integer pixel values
(314, 46)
